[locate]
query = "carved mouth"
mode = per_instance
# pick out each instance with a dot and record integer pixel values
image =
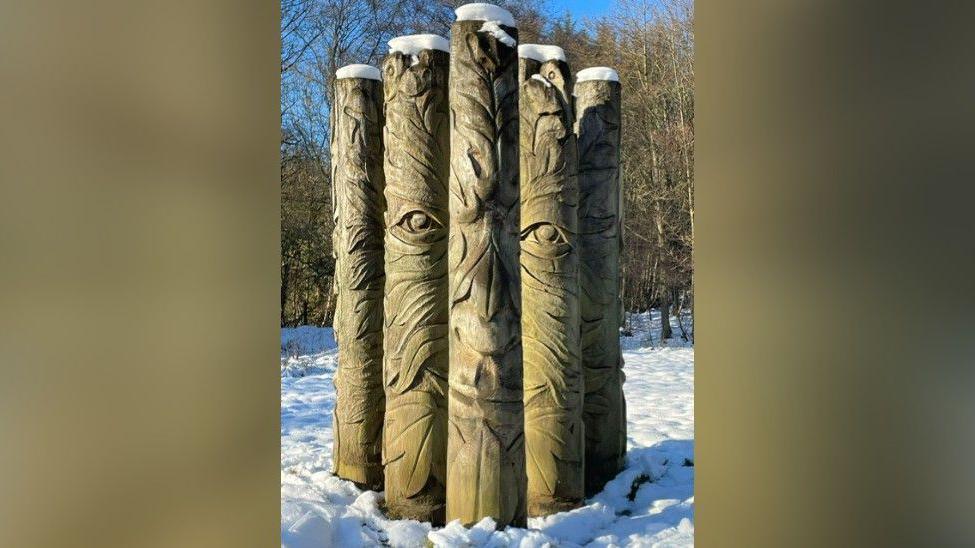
(486, 338)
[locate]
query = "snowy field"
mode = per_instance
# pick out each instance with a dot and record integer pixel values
(650, 503)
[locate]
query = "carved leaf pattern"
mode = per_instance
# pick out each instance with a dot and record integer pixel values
(357, 240)
(486, 459)
(416, 357)
(604, 413)
(550, 290)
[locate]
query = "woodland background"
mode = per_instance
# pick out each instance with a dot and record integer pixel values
(650, 43)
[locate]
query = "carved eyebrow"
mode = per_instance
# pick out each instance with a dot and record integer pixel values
(530, 229)
(404, 204)
(416, 208)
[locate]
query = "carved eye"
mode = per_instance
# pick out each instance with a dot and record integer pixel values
(546, 233)
(418, 227)
(417, 222)
(545, 241)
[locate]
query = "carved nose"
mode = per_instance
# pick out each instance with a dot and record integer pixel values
(488, 285)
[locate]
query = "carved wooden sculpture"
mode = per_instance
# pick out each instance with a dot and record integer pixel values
(357, 186)
(597, 93)
(415, 370)
(554, 432)
(485, 447)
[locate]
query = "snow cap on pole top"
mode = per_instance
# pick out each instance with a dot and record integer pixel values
(359, 71)
(485, 12)
(597, 73)
(541, 52)
(413, 44)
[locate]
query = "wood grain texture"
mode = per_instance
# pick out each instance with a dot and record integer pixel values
(600, 238)
(358, 205)
(415, 334)
(485, 447)
(553, 383)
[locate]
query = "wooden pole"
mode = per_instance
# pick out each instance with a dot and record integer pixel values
(554, 431)
(415, 371)
(597, 94)
(485, 447)
(357, 179)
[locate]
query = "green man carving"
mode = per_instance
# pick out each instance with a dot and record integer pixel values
(485, 447)
(415, 371)
(357, 182)
(600, 238)
(554, 430)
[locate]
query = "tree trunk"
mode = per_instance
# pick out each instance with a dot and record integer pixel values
(285, 281)
(663, 289)
(485, 447)
(415, 336)
(665, 331)
(554, 433)
(598, 130)
(358, 242)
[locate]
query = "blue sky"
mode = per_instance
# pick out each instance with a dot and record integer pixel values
(582, 8)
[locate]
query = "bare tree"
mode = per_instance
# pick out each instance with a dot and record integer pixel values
(651, 46)
(317, 37)
(649, 42)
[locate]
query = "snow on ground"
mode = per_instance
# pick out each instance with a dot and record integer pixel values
(650, 503)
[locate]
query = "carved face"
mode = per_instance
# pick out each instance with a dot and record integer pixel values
(549, 189)
(416, 112)
(416, 218)
(550, 287)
